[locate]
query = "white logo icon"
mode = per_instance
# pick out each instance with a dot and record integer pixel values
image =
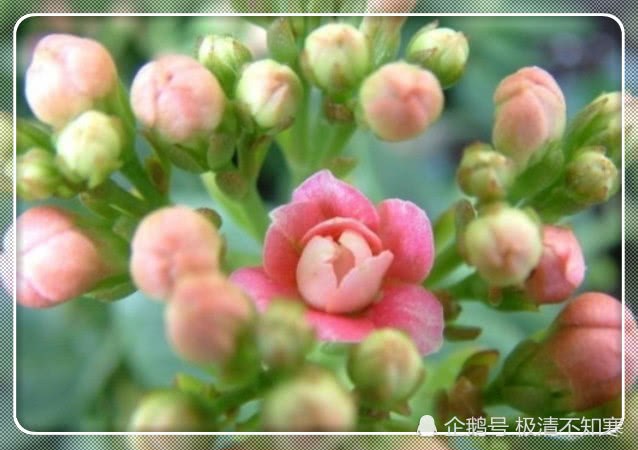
(427, 427)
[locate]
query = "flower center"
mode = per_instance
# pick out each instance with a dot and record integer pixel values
(342, 275)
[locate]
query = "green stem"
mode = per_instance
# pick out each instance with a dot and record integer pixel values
(136, 174)
(115, 196)
(445, 263)
(249, 212)
(340, 135)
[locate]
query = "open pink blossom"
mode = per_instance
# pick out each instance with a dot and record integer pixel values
(356, 266)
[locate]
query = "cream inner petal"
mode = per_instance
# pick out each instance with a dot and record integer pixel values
(342, 276)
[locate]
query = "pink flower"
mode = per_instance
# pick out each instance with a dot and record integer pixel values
(356, 266)
(561, 268)
(59, 258)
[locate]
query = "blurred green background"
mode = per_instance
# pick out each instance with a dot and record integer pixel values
(82, 366)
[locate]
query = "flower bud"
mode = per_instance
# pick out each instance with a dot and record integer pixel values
(561, 268)
(169, 244)
(312, 401)
(591, 177)
(599, 123)
(442, 50)
(485, 173)
(383, 34)
(284, 337)
(67, 76)
(270, 92)
(399, 101)
(530, 114)
(386, 368)
(90, 148)
(168, 411)
(337, 57)
(38, 176)
(60, 257)
(578, 365)
(206, 318)
(178, 98)
(224, 56)
(504, 246)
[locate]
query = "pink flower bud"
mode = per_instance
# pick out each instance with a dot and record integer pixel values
(530, 114)
(206, 317)
(586, 348)
(578, 365)
(58, 259)
(68, 75)
(177, 97)
(169, 244)
(399, 101)
(561, 268)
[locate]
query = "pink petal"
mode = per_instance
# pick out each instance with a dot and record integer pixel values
(337, 199)
(336, 226)
(331, 327)
(406, 231)
(414, 310)
(259, 287)
(359, 287)
(282, 246)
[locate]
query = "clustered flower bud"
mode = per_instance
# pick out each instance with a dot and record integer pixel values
(206, 318)
(578, 365)
(271, 93)
(336, 57)
(591, 177)
(38, 176)
(284, 337)
(168, 411)
(60, 257)
(178, 98)
(504, 245)
(312, 401)
(386, 368)
(530, 114)
(90, 148)
(442, 50)
(224, 56)
(67, 76)
(599, 124)
(561, 268)
(399, 101)
(485, 173)
(169, 244)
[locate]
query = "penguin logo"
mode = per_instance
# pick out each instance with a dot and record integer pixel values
(427, 427)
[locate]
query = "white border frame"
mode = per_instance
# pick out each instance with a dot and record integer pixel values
(353, 433)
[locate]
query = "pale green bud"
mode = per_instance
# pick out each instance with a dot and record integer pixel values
(386, 368)
(599, 123)
(485, 173)
(90, 148)
(38, 176)
(504, 245)
(312, 401)
(337, 57)
(284, 337)
(270, 92)
(591, 177)
(442, 50)
(168, 411)
(224, 56)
